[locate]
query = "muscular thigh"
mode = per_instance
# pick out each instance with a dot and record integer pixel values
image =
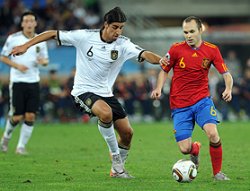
(85, 102)
(117, 109)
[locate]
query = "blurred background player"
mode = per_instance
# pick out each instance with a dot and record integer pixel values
(24, 82)
(190, 100)
(100, 56)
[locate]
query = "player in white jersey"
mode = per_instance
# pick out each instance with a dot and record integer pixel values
(24, 82)
(100, 55)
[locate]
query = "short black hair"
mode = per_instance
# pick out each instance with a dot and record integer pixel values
(27, 13)
(115, 15)
(196, 19)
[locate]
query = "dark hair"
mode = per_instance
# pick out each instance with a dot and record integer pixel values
(27, 13)
(196, 19)
(115, 15)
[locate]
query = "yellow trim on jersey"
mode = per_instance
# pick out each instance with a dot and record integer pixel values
(210, 44)
(224, 67)
(178, 43)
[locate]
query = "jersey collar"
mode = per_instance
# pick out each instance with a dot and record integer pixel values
(27, 36)
(195, 48)
(103, 39)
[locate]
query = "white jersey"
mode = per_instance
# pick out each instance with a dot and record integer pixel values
(97, 62)
(28, 59)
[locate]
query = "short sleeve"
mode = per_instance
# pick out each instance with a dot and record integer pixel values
(171, 57)
(219, 62)
(70, 38)
(132, 50)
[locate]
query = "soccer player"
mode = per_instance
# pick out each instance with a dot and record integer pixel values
(24, 82)
(100, 54)
(190, 100)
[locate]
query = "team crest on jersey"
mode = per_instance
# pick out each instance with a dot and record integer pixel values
(206, 63)
(88, 102)
(114, 54)
(38, 49)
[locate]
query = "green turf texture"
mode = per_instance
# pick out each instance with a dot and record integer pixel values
(75, 157)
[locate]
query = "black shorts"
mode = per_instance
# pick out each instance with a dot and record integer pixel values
(24, 97)
(84, 103)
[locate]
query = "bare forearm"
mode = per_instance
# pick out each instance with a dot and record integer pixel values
(52, 34)
(9, 62)
(20, 67)
(161, 79)
(228, 81)
(151, 57)
(227, 93)
(19, 50)
(156, 93)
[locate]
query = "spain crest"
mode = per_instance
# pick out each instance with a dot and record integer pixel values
(114, 54)
(206, 63)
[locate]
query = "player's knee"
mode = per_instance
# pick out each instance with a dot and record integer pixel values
(29, 117)
(213, 136)
(16, 119)
(212, 133)
(106, 115)
(185, 149)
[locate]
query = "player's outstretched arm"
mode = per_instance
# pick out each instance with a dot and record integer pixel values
(18, 50)
(227, 94)
(156, 93)
(153, 58)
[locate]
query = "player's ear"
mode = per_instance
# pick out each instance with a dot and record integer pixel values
(201, 30)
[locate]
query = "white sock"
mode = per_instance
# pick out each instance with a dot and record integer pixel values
(9, 128)
(109, 136)
(124, 154)
(25, 135)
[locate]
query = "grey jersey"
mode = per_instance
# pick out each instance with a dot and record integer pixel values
(97, 62)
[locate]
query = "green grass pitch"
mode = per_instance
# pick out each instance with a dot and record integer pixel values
(75, 157)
